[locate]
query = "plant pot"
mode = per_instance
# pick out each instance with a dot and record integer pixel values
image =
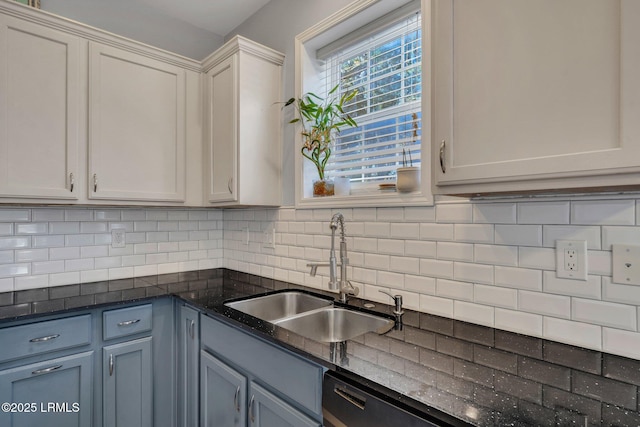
(408, 179)
(322, 188)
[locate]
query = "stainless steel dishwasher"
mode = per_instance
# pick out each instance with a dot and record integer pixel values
(345, 404)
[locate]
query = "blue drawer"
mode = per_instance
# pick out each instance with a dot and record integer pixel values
(42, 337)
(127, 321)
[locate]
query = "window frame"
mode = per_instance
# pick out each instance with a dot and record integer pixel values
(350, 18)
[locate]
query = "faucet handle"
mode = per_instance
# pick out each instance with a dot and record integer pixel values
(397, 299)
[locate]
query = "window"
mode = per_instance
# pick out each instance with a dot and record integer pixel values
(385, 69)
(375, 47)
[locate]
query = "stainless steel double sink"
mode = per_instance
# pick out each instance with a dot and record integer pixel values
(311, 316)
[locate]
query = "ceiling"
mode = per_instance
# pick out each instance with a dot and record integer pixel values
(216, 16)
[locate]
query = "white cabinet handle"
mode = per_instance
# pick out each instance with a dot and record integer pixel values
(72, 182)
(442, 156)
(95, 182)
(128, 322)
(43, 339)
(111, 365)
(46, 370)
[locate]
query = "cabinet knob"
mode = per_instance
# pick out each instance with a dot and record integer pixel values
(72, 182)
(443, 145)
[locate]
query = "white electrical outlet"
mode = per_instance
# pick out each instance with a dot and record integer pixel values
(626, 264)
(118, 238)
(269, 238)
(571, 259)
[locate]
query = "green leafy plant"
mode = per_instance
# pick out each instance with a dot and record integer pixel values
(321, 118)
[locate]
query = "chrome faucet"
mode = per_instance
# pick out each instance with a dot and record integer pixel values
(343, 285)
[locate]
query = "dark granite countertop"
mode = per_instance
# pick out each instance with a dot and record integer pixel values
(476, 374)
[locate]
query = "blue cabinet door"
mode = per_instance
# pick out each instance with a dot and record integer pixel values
(53, 393)
(267, 410)
(188, 366)
(223, 394)
(127, 384)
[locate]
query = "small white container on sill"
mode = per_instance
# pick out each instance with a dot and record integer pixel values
(408, 179)
(342, 186)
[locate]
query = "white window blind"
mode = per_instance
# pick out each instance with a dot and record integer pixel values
(385, 68)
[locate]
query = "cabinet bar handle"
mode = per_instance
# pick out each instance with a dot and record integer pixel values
(128, 322)
(252, 416)
(355, 401)
(72, 182)
(111, 364)
(442, 154)
(46, 370)
(236, 399)
(95, 182)
(192, 329)
(229, 185)
(43, 339)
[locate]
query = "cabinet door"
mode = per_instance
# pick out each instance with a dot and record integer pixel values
(536, 95)
(127, 384)
(136, 127)
(188, 366)
(267, 410)
(222, 393)
(222, 130)
(39, 111)
(60, 389)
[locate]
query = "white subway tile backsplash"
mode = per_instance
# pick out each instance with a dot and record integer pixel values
(544, 212)
(133, 260)
(538, 258)
(454, 290)
(519, 278)
(436, 305)
(495, 296)
(379, 262)
(47, 267)
(519, 322)
(614, 212)
(121, 273)
(454, 213)
(620, 235)
(32, 228)
(621, 342)
(496, 255)
(6, 229)
(44, 215)
(8, 270)
(591, 234)
(14, 215)
(31, 282)
(108, 262)
(27, 255)
(71, 252)
(620, 316)
(404, 231)
(6, 257)
(390, 214)
(6, 284)
(61, 279)
(79, 240)
(420, 284)
(436, 268)
(391, 247)
(494, 213)
(94, 227)
(545, 304)
(580, 334)
(455, 251)
(420, 214)
(78, 215)
(476, 273)
(476, 233)
(436, 232)
(599, 263)
(376, 229)
(475, 313)
(94, 276)
(79, 264)
(71, 227)
(390, 280)
(521, 235)
(614, 292)
(404, 264)
(591, 288)
(419, 248)
(14, 242)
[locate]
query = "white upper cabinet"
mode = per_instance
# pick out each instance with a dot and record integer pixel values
(136, 127)
(40, 112)
(536, 95)
(242, 147)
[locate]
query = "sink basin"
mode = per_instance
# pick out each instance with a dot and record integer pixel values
(335, 324)
(279, 305)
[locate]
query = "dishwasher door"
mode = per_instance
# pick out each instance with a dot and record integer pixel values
(344, 404)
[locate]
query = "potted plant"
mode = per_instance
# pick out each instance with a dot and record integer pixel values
(408, 176)
(321, 119)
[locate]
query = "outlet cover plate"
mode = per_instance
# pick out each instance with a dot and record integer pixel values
(626, 264)
(571, 259)
(118, 238)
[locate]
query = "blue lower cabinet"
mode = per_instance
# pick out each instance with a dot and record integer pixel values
(223, 394)
(52, 393)
(127, 384)
(267, 410)
(188, 334)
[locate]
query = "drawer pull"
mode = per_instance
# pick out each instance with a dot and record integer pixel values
(192, 329)
(72, 182)
(43, 339)
(354, 400)
(442, 156)
(46, 370)
(111, 364)
(128, 322)
(236, 400)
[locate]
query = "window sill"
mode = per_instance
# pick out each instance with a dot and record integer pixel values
(373, 199)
